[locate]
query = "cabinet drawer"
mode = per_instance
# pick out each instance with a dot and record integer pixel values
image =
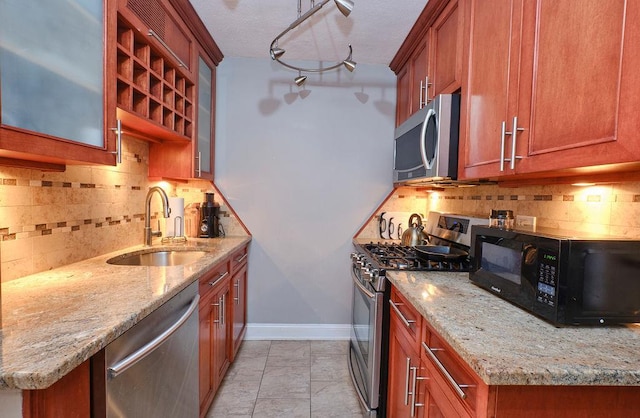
(402, 310)
(209, 281)
(239, 258)
(452, 375)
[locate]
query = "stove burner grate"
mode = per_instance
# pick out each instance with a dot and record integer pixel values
(399, 257)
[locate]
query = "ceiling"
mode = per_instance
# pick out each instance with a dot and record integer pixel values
(246, 28)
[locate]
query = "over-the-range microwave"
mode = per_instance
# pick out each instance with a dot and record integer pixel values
(426, 144)
(562, 277)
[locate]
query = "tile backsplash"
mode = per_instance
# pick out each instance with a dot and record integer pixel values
(612, 209)
(51, 219)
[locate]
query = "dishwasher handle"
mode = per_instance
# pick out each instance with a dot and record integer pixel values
(148, 348)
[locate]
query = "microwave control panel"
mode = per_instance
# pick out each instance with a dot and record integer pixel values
(547, 277)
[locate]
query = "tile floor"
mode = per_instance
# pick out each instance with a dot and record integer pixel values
(288, 379)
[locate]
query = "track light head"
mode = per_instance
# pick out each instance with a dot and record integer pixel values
(299, 80)
(276, 53)
(349, 65)
(345, 6)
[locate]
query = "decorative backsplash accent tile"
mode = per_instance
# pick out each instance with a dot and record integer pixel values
(605, 209)
(51, 219)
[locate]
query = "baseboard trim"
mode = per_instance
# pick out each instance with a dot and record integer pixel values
(298, 332)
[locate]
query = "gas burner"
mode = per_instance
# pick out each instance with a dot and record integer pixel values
(391, 256)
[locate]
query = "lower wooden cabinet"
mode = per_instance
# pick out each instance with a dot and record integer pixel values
(404, 358)
(223, 322)
(214, 358)
(428, 379)
(70, 397)
(238, 266)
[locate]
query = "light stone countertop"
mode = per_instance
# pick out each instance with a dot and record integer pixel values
(55, 320)
(507, 346)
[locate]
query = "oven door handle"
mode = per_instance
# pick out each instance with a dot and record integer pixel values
(363, 289)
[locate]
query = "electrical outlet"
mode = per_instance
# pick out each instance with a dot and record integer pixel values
(525, 222)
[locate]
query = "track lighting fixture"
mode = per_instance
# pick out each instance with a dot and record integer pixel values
(345, 7)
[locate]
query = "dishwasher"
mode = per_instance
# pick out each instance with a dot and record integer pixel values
(152, 369)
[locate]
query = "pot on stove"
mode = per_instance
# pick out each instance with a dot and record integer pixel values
(414, 235)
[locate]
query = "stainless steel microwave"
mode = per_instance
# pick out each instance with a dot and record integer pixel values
(426, 144)
(563, 278)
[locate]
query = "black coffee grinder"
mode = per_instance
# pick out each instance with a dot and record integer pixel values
(209, 218)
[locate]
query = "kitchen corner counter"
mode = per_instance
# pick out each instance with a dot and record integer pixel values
(508, 346)
(55, 320)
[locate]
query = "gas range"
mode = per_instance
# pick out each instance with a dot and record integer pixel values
(372, 260)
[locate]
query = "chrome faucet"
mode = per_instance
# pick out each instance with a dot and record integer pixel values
(148, 232)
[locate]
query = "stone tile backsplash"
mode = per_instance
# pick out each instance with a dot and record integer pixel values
(51, 219)
(612, 209)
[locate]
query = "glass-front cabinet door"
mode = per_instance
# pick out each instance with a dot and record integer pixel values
(206, 91)
(52, 80)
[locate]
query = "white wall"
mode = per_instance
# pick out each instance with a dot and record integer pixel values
(303, 171)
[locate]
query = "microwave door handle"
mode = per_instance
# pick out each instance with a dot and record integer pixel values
(423, 140)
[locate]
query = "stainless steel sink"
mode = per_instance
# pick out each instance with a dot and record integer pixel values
(158, 258)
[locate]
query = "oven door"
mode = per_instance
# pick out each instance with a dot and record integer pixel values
(366, 341)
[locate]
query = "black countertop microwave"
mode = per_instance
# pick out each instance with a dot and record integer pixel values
(563, 278)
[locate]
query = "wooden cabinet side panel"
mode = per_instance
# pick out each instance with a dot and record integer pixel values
(70, 397)
(403, 98)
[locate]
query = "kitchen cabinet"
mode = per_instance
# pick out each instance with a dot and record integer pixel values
(69, 397)
(549, 86)
(166, 86)
(192, 159)
(214, 361)
(155, 81)
(404, 358)
(424, 363)
(238, 269)
(57, 93)
(430, 60)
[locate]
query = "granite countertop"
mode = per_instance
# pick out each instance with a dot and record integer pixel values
(508, 346)
(55, 320)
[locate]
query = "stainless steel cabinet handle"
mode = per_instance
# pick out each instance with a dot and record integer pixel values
(514, 134)
(118, 132)
(407, 322)
(457, 387)
(199, 169)
(424, 97)
(503, 134)
(149, 347)
(240, 259)
(414, 392)
(221, 276)
(173, 54)
(236, 299)
(222, 307)
(406, 381)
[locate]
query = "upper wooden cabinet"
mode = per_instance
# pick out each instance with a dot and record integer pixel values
(156, 85)
(551, 83)
(429, 61)
(194, 159)
(56, 91)
(166, 85)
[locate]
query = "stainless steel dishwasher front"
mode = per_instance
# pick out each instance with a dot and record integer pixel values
(152, 369)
